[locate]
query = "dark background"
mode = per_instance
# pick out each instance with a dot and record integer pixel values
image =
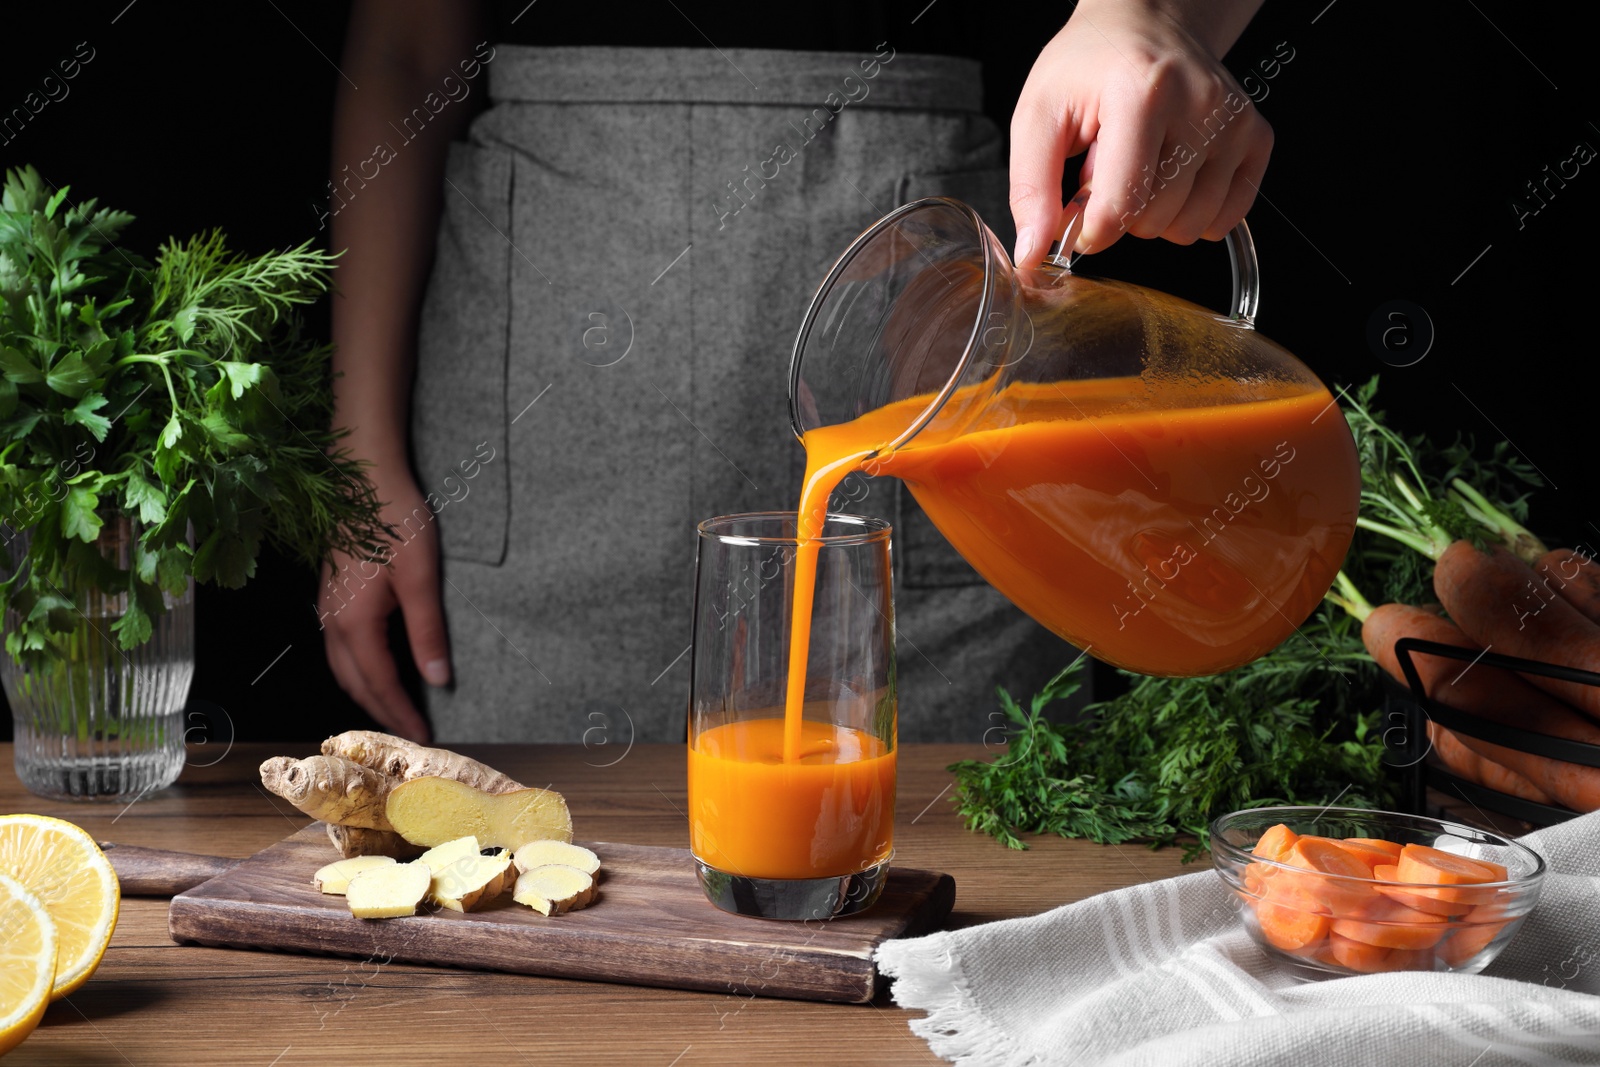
(1404, 133)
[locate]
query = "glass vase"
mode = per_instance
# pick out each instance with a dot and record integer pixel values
(95, 721)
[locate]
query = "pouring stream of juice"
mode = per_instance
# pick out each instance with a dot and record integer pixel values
(1170, 527)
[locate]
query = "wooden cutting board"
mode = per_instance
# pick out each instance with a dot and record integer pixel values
(650, 925)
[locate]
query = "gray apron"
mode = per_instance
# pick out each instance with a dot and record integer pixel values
(629, 240)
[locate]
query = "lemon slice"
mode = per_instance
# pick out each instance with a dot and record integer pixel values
(27, 962)
(62, 866)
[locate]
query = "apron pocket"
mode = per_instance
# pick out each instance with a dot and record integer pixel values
(458, 412)
(926, 559)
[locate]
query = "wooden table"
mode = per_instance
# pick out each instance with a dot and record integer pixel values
(156, 1003)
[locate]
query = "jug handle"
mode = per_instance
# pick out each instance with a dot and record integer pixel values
(1241, 254)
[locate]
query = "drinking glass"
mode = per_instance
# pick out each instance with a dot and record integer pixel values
(792, 816)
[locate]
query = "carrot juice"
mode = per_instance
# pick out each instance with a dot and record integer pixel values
(758, 811)
(1170, 528)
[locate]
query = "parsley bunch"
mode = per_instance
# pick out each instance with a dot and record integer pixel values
(178, 393)
(1160, 761)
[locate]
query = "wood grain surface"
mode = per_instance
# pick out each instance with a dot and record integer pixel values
(650, 925)
(155, 1002)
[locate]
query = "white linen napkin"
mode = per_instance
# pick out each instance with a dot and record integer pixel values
(1164, 974)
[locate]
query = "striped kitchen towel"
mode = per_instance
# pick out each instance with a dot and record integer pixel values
(1164, 975)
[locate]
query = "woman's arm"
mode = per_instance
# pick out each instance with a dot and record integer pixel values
(384, 212)
(1175, 147)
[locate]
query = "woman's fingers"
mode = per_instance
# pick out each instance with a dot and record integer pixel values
(1246, 183)
(1175, 144)
(357, 638)
(417, 588)
(365, 645)
(1041, 141)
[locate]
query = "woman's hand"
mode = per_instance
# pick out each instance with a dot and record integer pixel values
(1175, 147)
(358, 596)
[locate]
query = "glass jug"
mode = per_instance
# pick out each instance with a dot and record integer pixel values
(1159, 485)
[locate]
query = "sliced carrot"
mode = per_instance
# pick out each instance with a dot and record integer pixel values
(1357, 955)
(1412, 898)
(1361, 850)
(1256, 877)
(1340, 894)
(1275, 843)
(1290, 928)
(1393, 925)
(1433, 867)
(1481, 926)
(1392, 848)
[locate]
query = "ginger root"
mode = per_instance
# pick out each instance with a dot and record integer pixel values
(331, 788)
(388, 892)
(405, 760)
(431, 811)
(355, 841)
(554, 888)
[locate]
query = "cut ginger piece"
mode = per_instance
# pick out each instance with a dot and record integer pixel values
(388, 892)
(334, 879)
(554, 888)
(432, 811)
(472, 880)
(439, 857)
(540, 853)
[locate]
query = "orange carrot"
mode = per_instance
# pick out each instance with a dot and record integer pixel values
(1412, 899)
(1457, 757)
(1449, 877)
(1320, 857)
(1499, 601)
(1365, 852)
(1468, 941)
(1381, 844)
(1393, 925)
(1493, 694)
(1574, 576)
(1289, 927)
(1357, 955)
(1275, 843)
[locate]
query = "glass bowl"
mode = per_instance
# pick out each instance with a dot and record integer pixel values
(1320, 924)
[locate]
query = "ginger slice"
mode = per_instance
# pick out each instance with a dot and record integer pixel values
(539, 853)
(388, 892)
(471, 881)
(334, 879)
(441, 856)
(554, 888)
(431, 811)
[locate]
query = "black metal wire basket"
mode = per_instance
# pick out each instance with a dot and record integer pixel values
(1415, 707)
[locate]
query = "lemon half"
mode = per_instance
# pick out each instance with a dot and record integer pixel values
(61, 865)
(27, 962)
